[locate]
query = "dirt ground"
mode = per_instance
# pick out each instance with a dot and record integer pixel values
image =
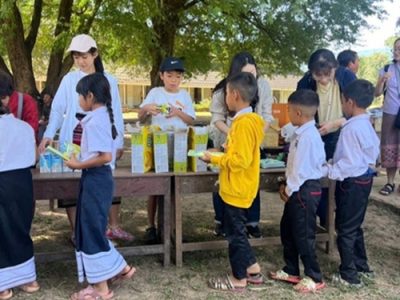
(152, 281)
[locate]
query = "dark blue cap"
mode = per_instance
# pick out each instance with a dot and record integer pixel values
(172, 64)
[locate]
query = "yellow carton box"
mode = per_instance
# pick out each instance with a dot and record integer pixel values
(142, 150)
(160, 148)
(198, 138)
(180, 150)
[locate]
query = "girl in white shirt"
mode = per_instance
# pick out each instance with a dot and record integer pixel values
(97, 259)
(17, 155)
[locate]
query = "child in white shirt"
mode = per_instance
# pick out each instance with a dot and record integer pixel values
(353, 162)
(170, 108)
(302, 194)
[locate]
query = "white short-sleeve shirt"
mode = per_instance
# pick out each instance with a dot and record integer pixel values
(17, 146)
(181, 100)
(97, 136)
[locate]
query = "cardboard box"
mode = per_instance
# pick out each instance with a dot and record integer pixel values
(141, 149)
(180, 150)
(45, 162)
(272, 136)
(280, 113)
(198, 138)
(160, 150)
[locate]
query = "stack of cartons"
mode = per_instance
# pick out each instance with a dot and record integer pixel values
(198, 138)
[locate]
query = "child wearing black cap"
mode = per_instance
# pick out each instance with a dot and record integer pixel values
(170, 108)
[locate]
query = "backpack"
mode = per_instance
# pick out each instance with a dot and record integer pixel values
(20, 105)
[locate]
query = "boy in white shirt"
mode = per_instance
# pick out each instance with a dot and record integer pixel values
(353, 164)
(168, 107)
(301, 194)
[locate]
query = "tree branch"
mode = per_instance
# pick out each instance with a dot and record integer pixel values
(258, 24)
(35, 23)
(85, 26)
(191, 3)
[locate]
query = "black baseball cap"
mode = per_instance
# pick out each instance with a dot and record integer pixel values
(172, 64)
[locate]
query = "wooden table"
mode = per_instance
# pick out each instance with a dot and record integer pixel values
(65, 185)
(188, 183)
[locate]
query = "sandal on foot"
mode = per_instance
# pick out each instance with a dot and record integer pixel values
(307, 285)
(255, 278)
(124, 275)
(283, 276)
(30, 287)
(119, 234)
(225, 284)
(387, 189)
(90, 293)
(7, 294)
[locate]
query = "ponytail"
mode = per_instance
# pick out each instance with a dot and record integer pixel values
(114, 132)
(98, 64)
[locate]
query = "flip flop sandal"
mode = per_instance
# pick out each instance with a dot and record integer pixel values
(307, 285)
(283, 276)
(7, 294)
(123, 276)
(225, 284)
(90, 293)
(30, 287)
(255, 278)
(387, 189)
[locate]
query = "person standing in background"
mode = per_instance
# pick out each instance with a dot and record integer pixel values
(66, 115)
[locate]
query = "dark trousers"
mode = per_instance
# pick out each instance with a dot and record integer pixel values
(351, 204)
(252, 214)
(298, 226)
(330, 140)
(241, 255)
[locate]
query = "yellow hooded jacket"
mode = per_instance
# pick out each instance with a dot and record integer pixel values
(240, 165)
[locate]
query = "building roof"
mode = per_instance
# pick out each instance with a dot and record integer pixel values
(208, 80)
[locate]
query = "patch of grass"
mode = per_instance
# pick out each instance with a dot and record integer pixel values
(153, 281)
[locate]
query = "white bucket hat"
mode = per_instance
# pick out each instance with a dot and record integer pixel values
(82, 43)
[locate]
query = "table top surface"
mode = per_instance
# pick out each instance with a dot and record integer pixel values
(126, 173)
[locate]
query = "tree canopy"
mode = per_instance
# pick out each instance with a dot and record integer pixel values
(206, 33)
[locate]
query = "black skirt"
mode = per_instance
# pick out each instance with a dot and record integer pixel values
(16, 214)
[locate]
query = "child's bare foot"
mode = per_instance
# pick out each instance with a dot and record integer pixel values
(254, 275)
(254, 269)
(90, 293)
(5, 295)
(228, 283)
(31, 287)
(127, 273)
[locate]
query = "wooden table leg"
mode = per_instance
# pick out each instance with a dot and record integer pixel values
(178, 223)
(52, 204)
(331, 217)
(167, 229)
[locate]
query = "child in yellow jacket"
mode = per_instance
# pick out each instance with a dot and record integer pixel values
(239, 180)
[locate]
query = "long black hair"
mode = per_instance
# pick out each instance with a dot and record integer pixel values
(3, 109)
(238, 62)
(394, 44)
(6, 84)
(322, 61)
(98, 63)
(98, 85)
